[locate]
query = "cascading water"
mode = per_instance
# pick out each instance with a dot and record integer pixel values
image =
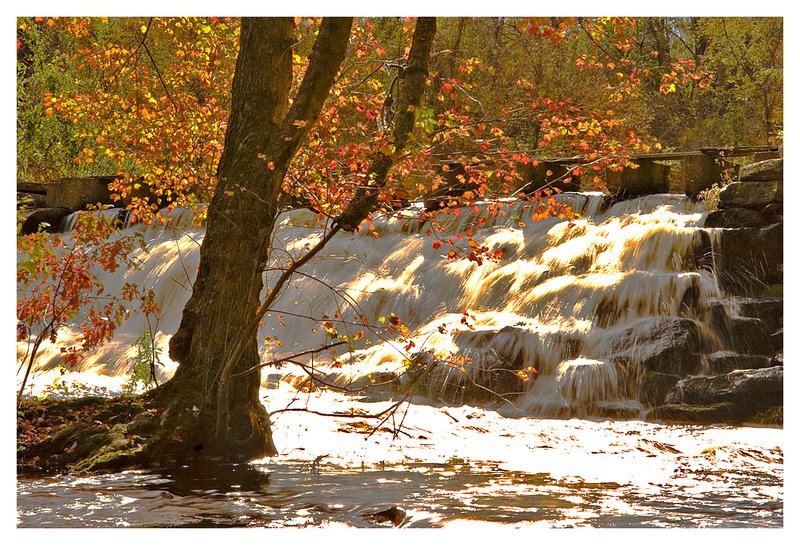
(558, 300)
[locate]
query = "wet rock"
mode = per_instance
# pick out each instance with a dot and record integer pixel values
(670, 346)
(777, 359)
(751, 389)
(754, 195)
(750, 336)
(750, 259)
(771, 169)
(48, 219)
(724, 362)
(655, 387)
(393, 514)
(777, 341)
(618, 413)
(480, 374)
(771, 417)
(768, 309)
(702, 255)
(697, 414)
(735, 217)
(773, 212)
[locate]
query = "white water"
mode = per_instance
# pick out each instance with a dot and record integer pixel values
(558, 298)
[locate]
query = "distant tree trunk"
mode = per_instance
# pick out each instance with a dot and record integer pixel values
(412, 87)
(263, 136)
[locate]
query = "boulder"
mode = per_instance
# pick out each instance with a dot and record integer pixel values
(771, 417)
(670, 346)
(720, 363)
(702, 255)
(777, 342)
(755, 195)
(698, 414)
(750, 259)
(735, 217)
(50, 216)
(771, 169)
(773, 212)
(769, 310)
(750, 336)
(754, 389)
(655, 387)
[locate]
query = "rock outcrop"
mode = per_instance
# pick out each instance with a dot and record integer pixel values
(744, 247)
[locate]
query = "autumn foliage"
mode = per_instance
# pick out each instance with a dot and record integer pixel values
(57, 282)
(148, 100)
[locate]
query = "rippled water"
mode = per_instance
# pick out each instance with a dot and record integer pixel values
(299, 495)
(449, 466)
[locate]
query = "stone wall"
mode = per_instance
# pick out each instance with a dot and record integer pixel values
(46, 204)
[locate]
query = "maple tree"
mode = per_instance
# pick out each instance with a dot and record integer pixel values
(58, 280)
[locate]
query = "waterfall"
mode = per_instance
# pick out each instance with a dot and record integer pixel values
(562, 299)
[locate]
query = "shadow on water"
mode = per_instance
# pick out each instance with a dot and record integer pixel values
(412, 495)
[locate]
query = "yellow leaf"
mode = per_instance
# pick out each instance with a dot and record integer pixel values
(143, 29)
(300, 123)
(229, 193)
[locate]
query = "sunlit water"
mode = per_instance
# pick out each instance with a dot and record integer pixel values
(559, 300)
(447, 466)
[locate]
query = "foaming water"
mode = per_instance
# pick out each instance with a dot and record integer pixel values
(561, 292)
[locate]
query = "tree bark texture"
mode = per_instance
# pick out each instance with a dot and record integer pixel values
(263, 135)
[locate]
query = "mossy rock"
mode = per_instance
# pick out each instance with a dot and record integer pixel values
(717, 413)
(771, 417)
(100, 438)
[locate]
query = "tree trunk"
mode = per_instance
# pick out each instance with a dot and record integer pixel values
(412, 86)
(262, 137)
